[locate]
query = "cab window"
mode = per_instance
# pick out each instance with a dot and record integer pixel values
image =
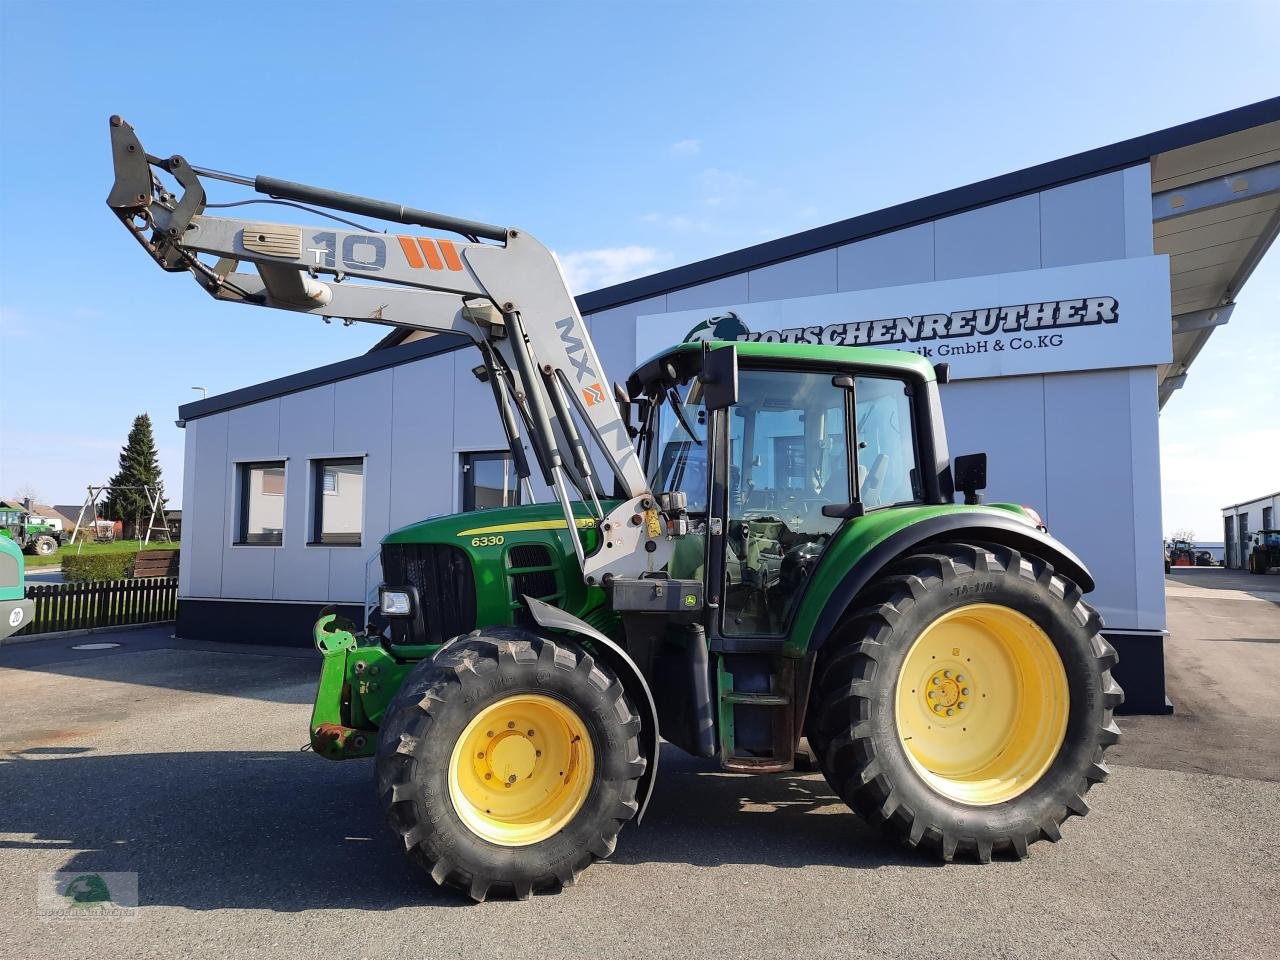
(886, 451)
(678, 446)
(788, 458)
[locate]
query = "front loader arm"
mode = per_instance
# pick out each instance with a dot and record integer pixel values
(509, 296)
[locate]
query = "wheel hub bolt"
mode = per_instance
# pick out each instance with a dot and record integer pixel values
(950, 711)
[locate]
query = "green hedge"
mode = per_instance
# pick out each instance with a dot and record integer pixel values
(97, 566)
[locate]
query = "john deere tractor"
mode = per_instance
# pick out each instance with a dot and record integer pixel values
(747, 545)
(33, 535)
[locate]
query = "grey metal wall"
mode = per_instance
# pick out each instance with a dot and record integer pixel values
(1080, 447)
(408, 422)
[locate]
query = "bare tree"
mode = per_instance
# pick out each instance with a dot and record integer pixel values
(27, 491)
(1186, 533)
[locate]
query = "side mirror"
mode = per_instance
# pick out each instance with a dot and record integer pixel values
(719, 376)
(971, 476)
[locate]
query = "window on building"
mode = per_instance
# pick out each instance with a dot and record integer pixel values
(338, 502)
(260, 511)
(338, 515)
(489, 480)
(1268, 519)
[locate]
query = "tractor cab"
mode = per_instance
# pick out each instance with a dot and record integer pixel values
(813, 437)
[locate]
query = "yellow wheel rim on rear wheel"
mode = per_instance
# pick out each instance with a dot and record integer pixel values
(981, 704)
(521, 770)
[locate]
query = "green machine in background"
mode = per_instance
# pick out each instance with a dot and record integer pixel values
(771, 553)
(31, 536)
(15, 609)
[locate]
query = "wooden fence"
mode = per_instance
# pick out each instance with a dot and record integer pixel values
(102, 603)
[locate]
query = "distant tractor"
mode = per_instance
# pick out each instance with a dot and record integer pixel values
(1265, 555)
(1182, 553)
(35, 535)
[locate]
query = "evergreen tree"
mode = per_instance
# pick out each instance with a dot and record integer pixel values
(139, 466)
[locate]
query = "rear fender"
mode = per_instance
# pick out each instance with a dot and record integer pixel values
(963, 526)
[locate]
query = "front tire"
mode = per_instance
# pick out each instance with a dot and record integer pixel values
(44, 546)
(509, 763)
(967, 705)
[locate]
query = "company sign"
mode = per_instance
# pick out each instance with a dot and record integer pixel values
(1084, 317)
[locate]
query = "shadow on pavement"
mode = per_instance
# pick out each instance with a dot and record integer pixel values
(287, 831)
(152, 657)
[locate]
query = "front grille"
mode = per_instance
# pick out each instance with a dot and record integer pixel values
(446, 590)
(534, 583)
(532, 574)
(529, 555)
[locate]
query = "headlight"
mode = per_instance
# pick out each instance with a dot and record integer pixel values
(395, 602)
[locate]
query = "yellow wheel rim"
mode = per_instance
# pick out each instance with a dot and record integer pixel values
(981, 704)
(521, 770)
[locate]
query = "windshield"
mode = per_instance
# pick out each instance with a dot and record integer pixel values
(678, 445)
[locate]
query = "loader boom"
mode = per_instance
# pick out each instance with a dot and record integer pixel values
(508, 295)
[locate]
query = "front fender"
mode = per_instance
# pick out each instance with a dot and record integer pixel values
(868, 545)
(633, 681)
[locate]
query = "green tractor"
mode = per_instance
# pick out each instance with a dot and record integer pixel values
(776, 556)
(33, 535)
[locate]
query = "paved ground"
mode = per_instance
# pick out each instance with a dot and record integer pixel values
(180, 763)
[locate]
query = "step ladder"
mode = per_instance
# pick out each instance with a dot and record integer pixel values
(776, 704)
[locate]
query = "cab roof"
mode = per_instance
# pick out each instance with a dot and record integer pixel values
(759, 354)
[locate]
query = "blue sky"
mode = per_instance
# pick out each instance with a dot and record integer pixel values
(629, 137)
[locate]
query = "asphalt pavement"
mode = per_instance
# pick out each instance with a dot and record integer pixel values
(181, 762)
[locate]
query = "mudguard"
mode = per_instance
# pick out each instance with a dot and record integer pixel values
(633, 681)
(963, 525)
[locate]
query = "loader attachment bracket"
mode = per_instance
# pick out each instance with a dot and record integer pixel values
(142, 203)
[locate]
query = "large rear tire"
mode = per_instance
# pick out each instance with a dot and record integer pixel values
(44, 546)
(966, 705)
(509, 763)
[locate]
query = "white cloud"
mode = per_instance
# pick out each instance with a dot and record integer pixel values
(593, 269)
(724, 188)
(678, 222)
(686, 148)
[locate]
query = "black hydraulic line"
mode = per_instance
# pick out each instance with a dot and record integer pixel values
(509, 425)
(381, 209)
(541, 435)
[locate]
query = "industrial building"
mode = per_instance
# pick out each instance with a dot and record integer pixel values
(1070, 300)
(1241, 524)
